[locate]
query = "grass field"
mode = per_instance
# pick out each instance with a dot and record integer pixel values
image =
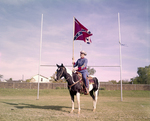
(55, 105)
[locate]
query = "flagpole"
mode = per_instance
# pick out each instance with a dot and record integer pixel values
(40, 57)
(120, 55)
(73, 49)
(73, 41)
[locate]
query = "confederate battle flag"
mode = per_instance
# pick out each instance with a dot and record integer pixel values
(81, 32)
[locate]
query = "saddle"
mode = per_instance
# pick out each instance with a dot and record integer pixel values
(91, 81)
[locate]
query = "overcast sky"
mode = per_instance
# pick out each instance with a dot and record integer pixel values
(20, 26)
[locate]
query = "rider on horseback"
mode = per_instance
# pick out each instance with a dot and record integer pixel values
(82, 68)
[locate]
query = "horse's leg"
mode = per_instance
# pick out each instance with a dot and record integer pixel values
(72, 99)
(78, 101)
(93, 97)
(95, 101)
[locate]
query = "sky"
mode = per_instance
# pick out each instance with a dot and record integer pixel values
(20, 33)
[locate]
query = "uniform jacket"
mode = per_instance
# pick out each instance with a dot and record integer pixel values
(82, 65)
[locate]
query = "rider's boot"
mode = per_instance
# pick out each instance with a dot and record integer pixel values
(87, 91)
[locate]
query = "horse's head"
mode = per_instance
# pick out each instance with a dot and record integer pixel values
(60, 72)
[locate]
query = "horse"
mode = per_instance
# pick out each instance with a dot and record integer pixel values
(75, 87)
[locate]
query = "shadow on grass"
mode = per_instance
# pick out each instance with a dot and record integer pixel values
(24, 105)
(51, 107)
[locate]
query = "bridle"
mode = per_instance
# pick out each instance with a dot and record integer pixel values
(61, 73)
(68, 78)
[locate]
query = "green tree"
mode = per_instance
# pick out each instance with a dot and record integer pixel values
(28, 80)
(124, 82)
(113, 81)
(10, 79)
(1, 76)
(133, 80)
(91, 71)
(143, 76)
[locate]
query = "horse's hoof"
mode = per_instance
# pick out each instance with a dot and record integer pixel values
(71, 111)
(94, 110)
(78, 112)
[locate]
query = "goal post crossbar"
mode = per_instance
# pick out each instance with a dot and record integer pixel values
(71, 66)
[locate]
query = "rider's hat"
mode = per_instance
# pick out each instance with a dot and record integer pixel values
(83, 52)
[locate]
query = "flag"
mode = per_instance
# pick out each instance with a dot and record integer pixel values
(81, 32)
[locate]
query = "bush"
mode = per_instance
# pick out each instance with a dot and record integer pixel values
(58, 88)
(102, 88)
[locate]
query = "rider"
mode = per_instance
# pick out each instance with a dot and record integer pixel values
(82, 68)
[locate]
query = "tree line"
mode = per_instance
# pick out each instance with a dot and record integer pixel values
(142, 78)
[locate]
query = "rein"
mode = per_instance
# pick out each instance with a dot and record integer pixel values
(73, 84)
(72, 80)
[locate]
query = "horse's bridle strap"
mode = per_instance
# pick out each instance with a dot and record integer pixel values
(74, 84)
(61, 73)
(68, 78)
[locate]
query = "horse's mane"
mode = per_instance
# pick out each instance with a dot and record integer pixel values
(74, 74)
(69, 71)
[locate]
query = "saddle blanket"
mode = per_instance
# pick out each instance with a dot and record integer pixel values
(91, 81)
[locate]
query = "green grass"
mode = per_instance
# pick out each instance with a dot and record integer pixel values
(32, 92)
(117, 93)
(21, 105)
(65, 92)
